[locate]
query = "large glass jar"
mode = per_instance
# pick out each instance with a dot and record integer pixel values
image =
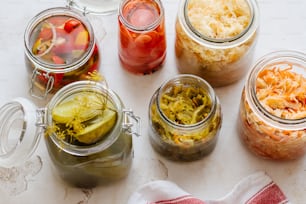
(272, 117)
(60, 48)
(215, 39)
(142, 39)
(184, 118)
(88, 133)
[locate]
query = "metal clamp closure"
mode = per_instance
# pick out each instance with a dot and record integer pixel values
(127, 125)
(41, 89)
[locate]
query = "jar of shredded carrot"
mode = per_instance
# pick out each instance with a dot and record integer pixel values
(272, 117)
(185, 118)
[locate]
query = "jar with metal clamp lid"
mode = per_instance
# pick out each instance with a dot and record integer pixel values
(88, 133)
(61, 46)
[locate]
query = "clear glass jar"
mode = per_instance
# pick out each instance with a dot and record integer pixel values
(81, 150)
(142, 38)
(216, 39)
(184, 118)
(272, 117)
(60, 48)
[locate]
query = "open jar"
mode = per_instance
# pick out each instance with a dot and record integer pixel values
(142, 38)
(61, 47)
(272, 116)
(88, 133)
(216, 39)
(184, 118)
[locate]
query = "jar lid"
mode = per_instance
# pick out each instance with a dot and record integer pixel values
(95, 7)
(19, 134)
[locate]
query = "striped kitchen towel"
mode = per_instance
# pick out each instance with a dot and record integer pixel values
(257, 188)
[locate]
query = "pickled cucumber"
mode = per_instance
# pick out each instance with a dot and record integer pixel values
(98, 128)
(84, 105)
(86, 117)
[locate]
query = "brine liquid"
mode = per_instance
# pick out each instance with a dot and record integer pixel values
(60, 42)
(142, 42)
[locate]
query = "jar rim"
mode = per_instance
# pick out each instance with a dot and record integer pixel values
(76, 87)
(220, 43)
(51, 67)
(191, 79)
(149, 27)
(292, 56)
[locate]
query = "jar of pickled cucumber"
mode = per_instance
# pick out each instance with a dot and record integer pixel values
(215, 39)
(61, 47)
(142, 35)
(88, 133)
(272, 116)
(184, 118)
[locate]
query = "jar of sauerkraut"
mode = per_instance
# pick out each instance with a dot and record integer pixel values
(272, 117)
(215, 39)
(185, 118)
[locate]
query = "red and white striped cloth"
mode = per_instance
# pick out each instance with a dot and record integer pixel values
(257, 188)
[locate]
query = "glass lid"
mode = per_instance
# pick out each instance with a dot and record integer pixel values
(19, 134)
(101, 7)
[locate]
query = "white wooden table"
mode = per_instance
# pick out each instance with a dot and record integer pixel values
(283, 26)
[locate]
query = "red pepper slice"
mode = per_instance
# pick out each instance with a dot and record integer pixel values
(71, 24)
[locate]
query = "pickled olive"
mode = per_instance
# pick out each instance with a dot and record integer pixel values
(185, 118)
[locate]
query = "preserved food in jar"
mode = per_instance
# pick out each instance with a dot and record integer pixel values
(142, 40)
(185, 118)
(273, 107)
(60, 49)
(88, 133)
(216, 39)
(86, 137)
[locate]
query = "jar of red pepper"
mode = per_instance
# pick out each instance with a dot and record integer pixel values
(60, 48)
(142, 40)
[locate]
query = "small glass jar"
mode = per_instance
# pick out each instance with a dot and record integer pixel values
(272, 116)
(93, 155)
(142, 39)
(60, 48)
(184, 118)
(216, 39)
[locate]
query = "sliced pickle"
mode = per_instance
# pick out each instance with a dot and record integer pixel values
(97, 128)
(84, 106)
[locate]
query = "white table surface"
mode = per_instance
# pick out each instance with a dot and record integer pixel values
(283, 26)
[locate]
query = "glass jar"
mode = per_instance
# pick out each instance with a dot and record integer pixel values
(60, 48)
(87, 147)
(184, 118)
(216, 39)
(272, 117)
(142, 39)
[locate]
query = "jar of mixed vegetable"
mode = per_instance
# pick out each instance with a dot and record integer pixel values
(185, 118)
(142, 39)
(215, 39)
(88, 133)
(272, 117)
(60, 48)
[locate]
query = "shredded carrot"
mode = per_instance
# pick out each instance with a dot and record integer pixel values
(282, 91)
